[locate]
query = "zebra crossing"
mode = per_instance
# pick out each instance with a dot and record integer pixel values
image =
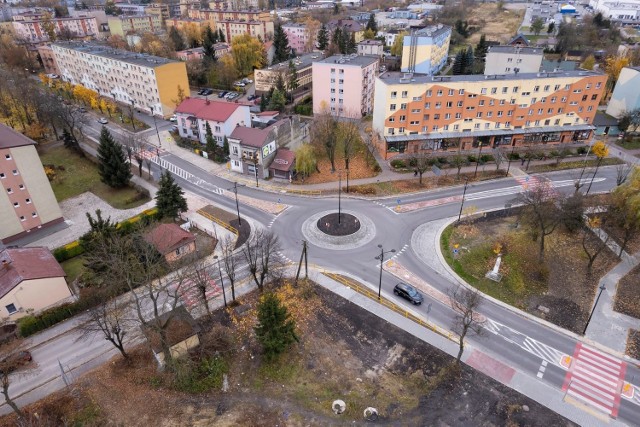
(596, 379)
(178, 171)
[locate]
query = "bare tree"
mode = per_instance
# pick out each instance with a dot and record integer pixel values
(498, 157)
(111, 319)
(195, 267)
(260, 253)
(324, 133)
(72, 118)
(458, 161)
(622, 172)
(229, 262)
(465, 302)
(421, 163)
(148, 163)
(348, 136)
(540, 211)
(12, 360)
(592, 244)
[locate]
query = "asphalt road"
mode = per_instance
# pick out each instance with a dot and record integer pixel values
(525, 344)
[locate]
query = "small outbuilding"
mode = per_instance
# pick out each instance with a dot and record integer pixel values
(181, 331)
(171, 241)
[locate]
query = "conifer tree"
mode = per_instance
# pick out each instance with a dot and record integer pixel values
(170, 197)
(281, 45)
(323, 38)
(275, 329)
(113, 167)
(372, 24)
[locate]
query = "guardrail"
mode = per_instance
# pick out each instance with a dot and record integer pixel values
(218, 221)
(358, 287)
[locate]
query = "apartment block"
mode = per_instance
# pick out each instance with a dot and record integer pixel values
(31, 26)
(299, 37)
(27, 202)
(513, 60)
(416, 113)
(266, 78)
(184, 23)
(223, 117)
(48, 59)
(344, 85)
(371, 47)
(426, 50)
(125, 25)
(626, 94)
(148, 83)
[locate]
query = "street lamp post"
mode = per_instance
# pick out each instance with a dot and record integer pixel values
(464, 192)
(381, 258)
(509, 163)
(347, 180)
(235, 191)
(156, 126)
(602, 288)
(339, 194)
(224, 296)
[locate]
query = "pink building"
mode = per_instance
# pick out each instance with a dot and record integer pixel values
(30, 27)
(298, 37)
(343, 85)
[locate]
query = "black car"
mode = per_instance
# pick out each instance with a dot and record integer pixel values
(222, 94)
(409, 293)
(251, 97)
(201, 91)
(208, 92)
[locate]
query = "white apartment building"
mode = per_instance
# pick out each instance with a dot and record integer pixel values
(145, 82)
(223, 117)
(124, 25)
(30, 27)
(627, 11)
(513, 60)
(371, 47)
(343, 85)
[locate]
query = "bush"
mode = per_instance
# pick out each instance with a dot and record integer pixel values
(582, 150)
(204, 376)
(377, 168)
(514, 156)
(29, 325)
(68, 251)
(443, 160)
(554, 153)
(303, 110)
(471, 158)
(413, 162)
(485, 158)
(398, 164)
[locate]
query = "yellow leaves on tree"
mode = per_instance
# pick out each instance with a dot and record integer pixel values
(600, 150)
(35, 131)
(312, 26)
(248, 53)
(396, 48)
(84, 95)
(613, 67)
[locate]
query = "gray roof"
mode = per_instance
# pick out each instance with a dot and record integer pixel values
(394, 77)
(141, 59)
(526, 50)
(359, 60)
(494, 132)
(300, 62)
(433, 30)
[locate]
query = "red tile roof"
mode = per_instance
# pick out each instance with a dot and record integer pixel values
(284, 160)
(20, 264)
(9, 138)
(218, 111)
(268, 113)
(169, 237)
(253, 137)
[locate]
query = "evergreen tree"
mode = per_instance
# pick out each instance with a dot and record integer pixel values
(113, 167)
(71, 142)
(225, 146)
(323, 38)
(459, 63)
(280, 84)
(336, 37)
(277, 101)
(276, 331)
(372, 24)
(345, 40)
(211, 146)
(352, 46)
(264, 103)
(551, 28)
(469, 61)
(281, 45)
(293, 77)
(176, 39)
(481, 48)
(221, 37)
(208, 40)
(170, 197)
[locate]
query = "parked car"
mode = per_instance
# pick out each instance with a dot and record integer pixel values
(229, 95)
(208, 92)
(173, 118)
(174, 128)
(247, 81)
(201, 91)
(222, 94)
(239, 84)
(251, 97)
(53, 76)
(103, 121)
(409, 293)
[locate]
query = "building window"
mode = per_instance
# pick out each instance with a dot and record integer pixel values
(7, 156)
(34, 214)
(394, 95)
(22, 218)
(402, 118)
(594, 96)
(404, 93)
(16, 204)
(392, 119)
(451, 91)
(458, 115)
(449, 104)
(403, 106)
(392, 107)
(459, 104)
(11, 308)
(15, 172)
(461, 92)
(9, 190)
(28, 201)
(439, 93)
(2, 176)
(546, 88)
(483, 91)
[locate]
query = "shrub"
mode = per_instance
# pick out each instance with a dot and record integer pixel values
(398, 164)
(443, 160)
(554, 153)
(485, 158)
(471, 158)
(68, 251)
(413, 162)
(582, 150)
(377, 168)
(514, 156)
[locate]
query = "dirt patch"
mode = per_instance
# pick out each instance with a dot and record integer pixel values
(358, 168)
(495, 24)
(559, 289)
(628, 294)
(230, 219)
(344, 352)
(633, 344)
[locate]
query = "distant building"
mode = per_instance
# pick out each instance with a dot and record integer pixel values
(31, 280)
(27, 202)
(234, 23)
(140, 24)
(519, 41)
(626, 94)
(48, 59)
(343, 85)
(266, 78)
(183, 23)
(223, 117)
(220, 49)
(148, 83)
(371, 47)
(348, 25)
(298, 36)
(389, 36)
(626, 11)
(31, 26)
(513, 60)
(426, 50)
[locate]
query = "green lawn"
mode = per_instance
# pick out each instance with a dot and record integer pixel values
(74, 267)
(81, 175)
(634, 144)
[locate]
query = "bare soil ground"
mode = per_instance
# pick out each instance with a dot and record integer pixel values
(495, 24)
(633, 344)
(628, 294)
(560, 283)
(358, 168)
(344, 353)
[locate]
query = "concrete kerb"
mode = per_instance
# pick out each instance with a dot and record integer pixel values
(517, 311)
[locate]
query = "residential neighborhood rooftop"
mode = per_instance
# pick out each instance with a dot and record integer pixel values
(205, 109)
(357, 60)
(300, 62)
(9, 138)
(394, 77)
(168, 237)
(524, 50)
(104, 51)
(19, 264)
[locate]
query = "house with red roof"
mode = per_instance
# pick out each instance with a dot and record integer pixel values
(171, 241)
(30, 280)
(194, 113)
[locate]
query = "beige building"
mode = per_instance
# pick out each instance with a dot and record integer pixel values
(266, 78)
(513, 60)
(171, 241)
(184, 23)
(30, 280)
(148, 83)
(27, 202)
(371, 47)
(32, 27)
(426, 50)
(233, 23)
(48, 59)
(124, 25)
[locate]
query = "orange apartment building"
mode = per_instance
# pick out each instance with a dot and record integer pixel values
(416, 113)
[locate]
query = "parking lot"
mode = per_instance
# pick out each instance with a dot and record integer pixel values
(245, 91)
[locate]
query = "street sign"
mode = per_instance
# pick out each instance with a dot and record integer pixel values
(398, 201)
(455, 251)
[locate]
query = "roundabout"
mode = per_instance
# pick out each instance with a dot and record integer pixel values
(353, 231)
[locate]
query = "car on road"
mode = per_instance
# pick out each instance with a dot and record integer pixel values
(103, 121)
(239, 84)
(409, 293)
(53, 76)
(173, 118)
(251, 97)
(229, 95)
(174, 128)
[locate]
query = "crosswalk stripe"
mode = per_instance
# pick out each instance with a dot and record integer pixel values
(578, 394)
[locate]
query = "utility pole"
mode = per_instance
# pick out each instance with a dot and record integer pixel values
(381, 258)
(235, 191)
(466, 182)
(339, 192)
(478, 159)
(303, 255)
